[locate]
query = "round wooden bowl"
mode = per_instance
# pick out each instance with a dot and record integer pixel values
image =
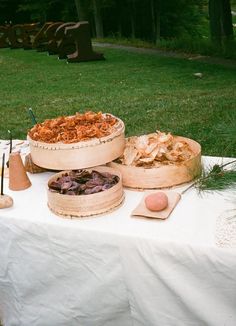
(84, 154)
(68, 206)
(163, 176)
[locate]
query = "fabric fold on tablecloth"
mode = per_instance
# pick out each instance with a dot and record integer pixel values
(172, 284)
(60, 278)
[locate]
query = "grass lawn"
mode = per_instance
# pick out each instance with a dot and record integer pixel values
(146, 91)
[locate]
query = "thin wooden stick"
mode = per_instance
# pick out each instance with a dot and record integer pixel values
(10, 138)
(2, 176)
(10, 149)
(31, 113)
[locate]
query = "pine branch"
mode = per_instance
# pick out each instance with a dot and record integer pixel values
(216, 178)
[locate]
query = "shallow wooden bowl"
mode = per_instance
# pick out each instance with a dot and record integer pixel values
(86, 205)
(84, 154)
(163, 176)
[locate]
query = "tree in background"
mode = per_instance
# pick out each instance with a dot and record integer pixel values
(221, 27)
(45, 10)
(98, 18)
(38, 11)
(155, 6)
(8, 12)
(151, 20)
(81, 10)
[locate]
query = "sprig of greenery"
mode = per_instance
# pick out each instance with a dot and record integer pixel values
(216, 178)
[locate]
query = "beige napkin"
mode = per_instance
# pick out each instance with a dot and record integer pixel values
(141, 209)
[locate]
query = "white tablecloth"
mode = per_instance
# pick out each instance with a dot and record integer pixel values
(114, 270)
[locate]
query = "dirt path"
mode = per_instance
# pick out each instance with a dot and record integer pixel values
(172, 54)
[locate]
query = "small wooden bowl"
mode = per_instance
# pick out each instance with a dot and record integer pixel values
(163, 176)
(84, 154)
(86, 205)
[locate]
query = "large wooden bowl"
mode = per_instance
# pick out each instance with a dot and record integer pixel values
(84, 154)
(163, 176)
(86, 205)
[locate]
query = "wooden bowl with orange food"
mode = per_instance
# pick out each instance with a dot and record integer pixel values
(77, 142)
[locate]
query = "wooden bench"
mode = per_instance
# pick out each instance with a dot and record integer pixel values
(21, 35)
(80, 34)
(45, 36)
(65, 45)
(4, 42)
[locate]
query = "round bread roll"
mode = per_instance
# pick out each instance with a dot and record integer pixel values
(157, 201)
(5, 201)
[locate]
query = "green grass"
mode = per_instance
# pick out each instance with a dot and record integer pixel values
(185, 44)
(136, 42)
(146, 91)
(201, 46)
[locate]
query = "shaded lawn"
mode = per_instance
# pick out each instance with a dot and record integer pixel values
(146, 91)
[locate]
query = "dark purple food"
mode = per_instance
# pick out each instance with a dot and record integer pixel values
(83, 182)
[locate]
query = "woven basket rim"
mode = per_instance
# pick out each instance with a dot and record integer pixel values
(96, 168)
(98, 213)
(164, 165)
(119, 126)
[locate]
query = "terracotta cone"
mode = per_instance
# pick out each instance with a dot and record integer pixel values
(18, 178)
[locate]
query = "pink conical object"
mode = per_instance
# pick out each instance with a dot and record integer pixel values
(18, 178)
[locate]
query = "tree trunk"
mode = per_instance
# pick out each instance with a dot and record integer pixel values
(153, 18)
(215, 10)
(227, 20)
(132, 18)
(98, 19)
(158, 21)
(119, 17)
(80, 10)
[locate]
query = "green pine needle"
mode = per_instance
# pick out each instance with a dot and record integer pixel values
(217, 177)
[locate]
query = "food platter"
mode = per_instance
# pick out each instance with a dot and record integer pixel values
(69, 206)
(164, 175)
(82, 154)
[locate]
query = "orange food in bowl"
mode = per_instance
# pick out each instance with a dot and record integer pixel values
(72, 129)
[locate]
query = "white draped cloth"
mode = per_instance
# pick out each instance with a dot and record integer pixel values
(114, 269)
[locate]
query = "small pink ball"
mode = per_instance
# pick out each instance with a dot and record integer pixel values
(156, 202)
